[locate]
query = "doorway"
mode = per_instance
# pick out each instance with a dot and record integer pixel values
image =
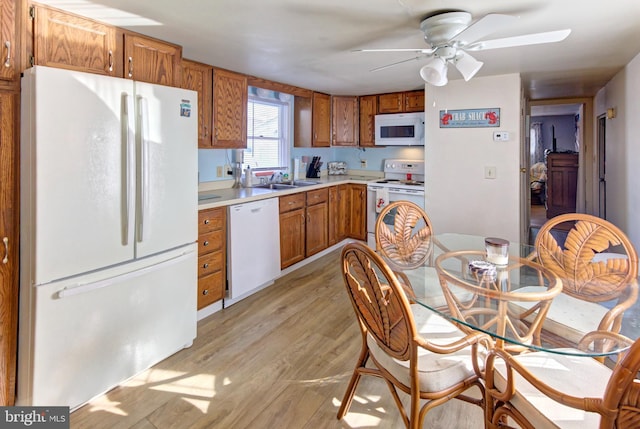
(562, 127)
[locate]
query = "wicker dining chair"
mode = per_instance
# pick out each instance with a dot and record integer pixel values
(598, 265)
(412, 348)
(409, 242)
(546, 390)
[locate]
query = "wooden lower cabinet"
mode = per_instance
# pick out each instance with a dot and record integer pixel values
(292, 229)
(212, 233)
(357, 211)
(317, 221)
(338, 213)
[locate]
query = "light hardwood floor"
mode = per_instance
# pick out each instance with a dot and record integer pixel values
(279, 359)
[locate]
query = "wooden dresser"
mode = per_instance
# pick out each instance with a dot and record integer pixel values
(562, 183)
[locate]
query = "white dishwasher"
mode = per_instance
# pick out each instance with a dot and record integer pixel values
(253, 248)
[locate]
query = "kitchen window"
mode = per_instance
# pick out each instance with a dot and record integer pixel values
(267, 129)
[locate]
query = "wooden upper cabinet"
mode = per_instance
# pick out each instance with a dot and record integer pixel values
(8, 39)
(65, 40)
(151, 60)
(368, 110)
(229, 109)
(414, 101)
(390, 103)
(401, 102)
(321, 120)
(199, 77)
(344, 120)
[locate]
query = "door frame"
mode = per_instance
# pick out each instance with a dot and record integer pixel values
(588, 157)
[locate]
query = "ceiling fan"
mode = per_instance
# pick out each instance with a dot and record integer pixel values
(451, 34)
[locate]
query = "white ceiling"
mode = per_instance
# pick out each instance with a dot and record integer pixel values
(309, 43)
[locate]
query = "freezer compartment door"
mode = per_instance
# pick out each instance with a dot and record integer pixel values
(79, 339)
(167, 142)
(76, 171)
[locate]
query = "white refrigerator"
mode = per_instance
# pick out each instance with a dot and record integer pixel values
(109, 187)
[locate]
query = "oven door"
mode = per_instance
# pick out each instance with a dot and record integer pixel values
(395, 194)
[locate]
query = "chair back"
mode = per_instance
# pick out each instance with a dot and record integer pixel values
(408, 242)
(597, 262)
(382, 308)
(623, 392)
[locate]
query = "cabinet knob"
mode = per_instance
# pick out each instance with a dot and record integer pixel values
(206, 243)
(206, 221)
(205, 266)
(205, 292)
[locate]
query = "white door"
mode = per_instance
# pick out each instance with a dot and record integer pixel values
(167, 166)
(74, 197)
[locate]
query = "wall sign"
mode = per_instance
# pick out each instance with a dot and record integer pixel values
(470, 118)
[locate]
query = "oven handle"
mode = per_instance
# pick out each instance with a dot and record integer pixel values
(406, 191)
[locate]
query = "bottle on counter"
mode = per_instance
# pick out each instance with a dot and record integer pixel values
(248, 181)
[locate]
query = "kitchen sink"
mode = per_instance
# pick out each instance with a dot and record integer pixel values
(276, 186)
(287, 185)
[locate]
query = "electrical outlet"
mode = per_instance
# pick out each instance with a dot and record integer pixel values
(219, 171)
(363, 163)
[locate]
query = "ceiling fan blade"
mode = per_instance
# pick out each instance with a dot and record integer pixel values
(395, 64)
(526, 39)
(417, 51)
(483, 27)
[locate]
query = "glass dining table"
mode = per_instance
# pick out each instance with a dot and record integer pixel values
(517, 303)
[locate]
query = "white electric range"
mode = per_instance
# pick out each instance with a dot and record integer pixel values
(403, 180)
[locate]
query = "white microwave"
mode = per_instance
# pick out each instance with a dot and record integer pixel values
(400, 129)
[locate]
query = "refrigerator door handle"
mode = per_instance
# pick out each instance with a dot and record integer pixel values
(128, 156)
(80, 288)
(143, 124)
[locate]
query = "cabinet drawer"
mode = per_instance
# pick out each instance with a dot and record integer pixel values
(211, 219)
(292, 202)
(210, 289)
(210, 242)
(318, 196)
(209, 263)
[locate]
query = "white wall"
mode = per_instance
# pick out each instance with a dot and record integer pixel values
(623, 149)
(458, 197)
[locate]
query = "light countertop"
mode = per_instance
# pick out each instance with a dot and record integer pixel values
(225, 196)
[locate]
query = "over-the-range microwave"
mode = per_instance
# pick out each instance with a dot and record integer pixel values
(400, 129)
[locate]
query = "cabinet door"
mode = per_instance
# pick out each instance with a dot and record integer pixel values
(317, 228)
(390, 103)
(199, 77)
(334, 213)
(414, 101)
(358, 214)
(344, 121)
(229, 109)
(8, 247)
(344, 212)
(321, 122)
(368, 109)
(151, 60)
(292, 237)
(8, 39)
(72, 42)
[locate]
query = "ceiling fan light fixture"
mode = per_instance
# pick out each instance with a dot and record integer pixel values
(467, 65)
(435, 72)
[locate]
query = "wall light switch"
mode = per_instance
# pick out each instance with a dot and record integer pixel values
(489, 172)
(219, 171)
